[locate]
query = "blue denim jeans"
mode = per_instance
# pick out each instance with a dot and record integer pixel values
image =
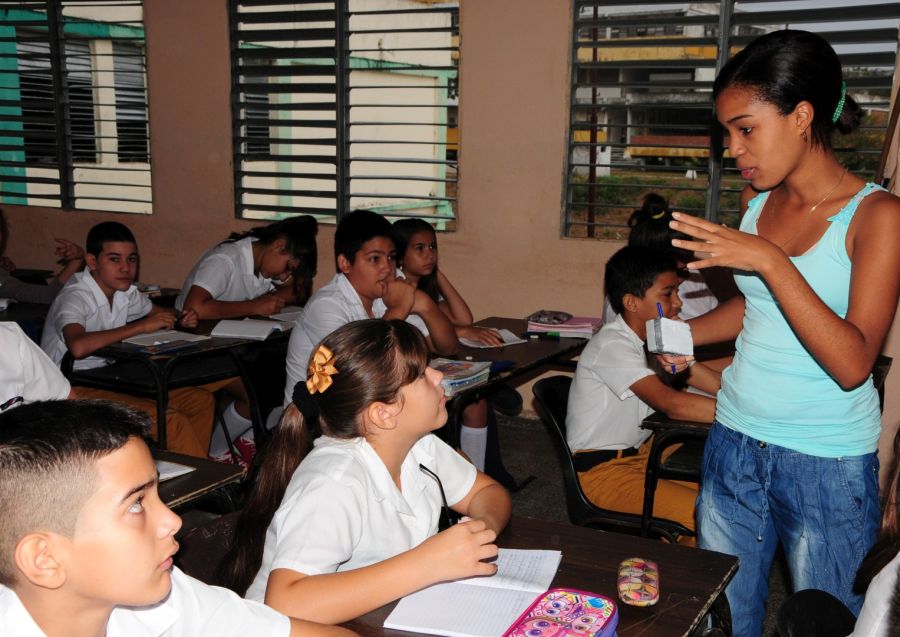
(824, 511)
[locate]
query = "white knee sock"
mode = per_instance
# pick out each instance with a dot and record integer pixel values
(474, 444)
(236, 424)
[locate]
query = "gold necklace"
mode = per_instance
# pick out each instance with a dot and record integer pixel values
(811, 210)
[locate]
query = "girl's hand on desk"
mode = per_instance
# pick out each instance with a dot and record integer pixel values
(723, 246)
(481, 334)
(268, 304)
(460, 550)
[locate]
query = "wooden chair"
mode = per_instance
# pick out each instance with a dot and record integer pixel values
(552, 395)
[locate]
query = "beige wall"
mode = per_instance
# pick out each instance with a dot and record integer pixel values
(507, 257)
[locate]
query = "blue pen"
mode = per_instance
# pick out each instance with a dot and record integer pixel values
(659, 309)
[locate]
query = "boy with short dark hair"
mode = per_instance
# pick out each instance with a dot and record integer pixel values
(615, 388)
(365, 286)
(86, 545)
(101, 306)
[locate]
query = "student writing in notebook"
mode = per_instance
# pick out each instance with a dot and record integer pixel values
(332, 533)
(250, 273)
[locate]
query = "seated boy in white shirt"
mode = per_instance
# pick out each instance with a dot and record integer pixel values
(365, 286)
(615, 388)
(26, 373)
(101, 306)
(86, 544)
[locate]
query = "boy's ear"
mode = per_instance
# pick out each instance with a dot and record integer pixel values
(383, 415)
(37, 559)
(344, 264)
(90, 260)
(279, 244)
(630, 302)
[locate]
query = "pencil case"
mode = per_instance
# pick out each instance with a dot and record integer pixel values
(564, 612)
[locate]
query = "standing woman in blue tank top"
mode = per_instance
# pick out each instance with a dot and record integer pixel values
(791, 457)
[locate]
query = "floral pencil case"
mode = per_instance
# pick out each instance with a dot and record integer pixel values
(565, 612)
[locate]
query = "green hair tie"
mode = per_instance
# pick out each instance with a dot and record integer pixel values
(658, 215)
(840, 105)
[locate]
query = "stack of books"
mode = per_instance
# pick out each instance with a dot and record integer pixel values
(459, 375)
(573, 327)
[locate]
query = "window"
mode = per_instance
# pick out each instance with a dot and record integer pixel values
(345, 105)
(641, 117)
(73, 106)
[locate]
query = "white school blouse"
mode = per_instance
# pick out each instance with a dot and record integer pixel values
(342, 510)
(874, 617)
(82, 301)
(26, 373)
(226, 271)
(191, 609)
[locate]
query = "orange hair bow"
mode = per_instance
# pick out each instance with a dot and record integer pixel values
(321, 369)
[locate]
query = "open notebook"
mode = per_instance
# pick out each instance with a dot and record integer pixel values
(479, 606)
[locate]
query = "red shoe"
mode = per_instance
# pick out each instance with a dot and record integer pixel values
(246, 448)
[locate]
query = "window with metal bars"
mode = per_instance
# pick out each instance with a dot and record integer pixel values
(641, 112)
(345, 105)
(73, 105)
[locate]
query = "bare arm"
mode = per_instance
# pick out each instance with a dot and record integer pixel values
(72, 256)
(488, 501)
(705, 378)
(201, 301)
(453, 306)
(722, 323)
(441, 333)
(452, 554)
(303, 628)
(83, 343)
(680, 405)
(874, 285)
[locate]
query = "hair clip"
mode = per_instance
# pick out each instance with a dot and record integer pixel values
(840, 105)
(659, 215)
(321, 369)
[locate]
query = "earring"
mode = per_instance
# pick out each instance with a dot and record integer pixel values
(804, 137)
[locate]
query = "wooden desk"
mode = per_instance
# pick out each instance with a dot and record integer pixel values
(691, 580)
(207, 477)
(517, 360)
(152, 376)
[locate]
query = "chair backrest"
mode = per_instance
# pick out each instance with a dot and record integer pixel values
(204, 546)
(552, 396)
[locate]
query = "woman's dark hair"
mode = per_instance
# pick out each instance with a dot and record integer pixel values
(374, 360)
(787, 67)
(299, 234)
(403, 231)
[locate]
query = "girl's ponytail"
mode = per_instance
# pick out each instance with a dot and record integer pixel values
(290, 443)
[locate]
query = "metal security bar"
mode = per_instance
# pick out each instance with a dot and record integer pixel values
(344, 105)
(73, 105)
(641, 112)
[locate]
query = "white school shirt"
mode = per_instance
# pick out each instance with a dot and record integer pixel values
(26, 373)
(82, 301)
(603, 411)
(342, 510)
(330, 307)
(873, 620)
(191, 609)
(226, 271)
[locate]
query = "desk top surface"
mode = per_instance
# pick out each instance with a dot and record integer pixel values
(523, 356)
(208, 476)
(690, 579)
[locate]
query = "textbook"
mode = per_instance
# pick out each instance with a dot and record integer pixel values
(168, 470)
(163, 341)
(505, 335)
(478, 606)
(574, 327)
(459, 375)
(288, 314)
(252, 329)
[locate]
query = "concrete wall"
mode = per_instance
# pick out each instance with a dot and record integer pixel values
(507, 256)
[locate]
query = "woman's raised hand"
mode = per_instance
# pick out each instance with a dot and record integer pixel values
(723, 246)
